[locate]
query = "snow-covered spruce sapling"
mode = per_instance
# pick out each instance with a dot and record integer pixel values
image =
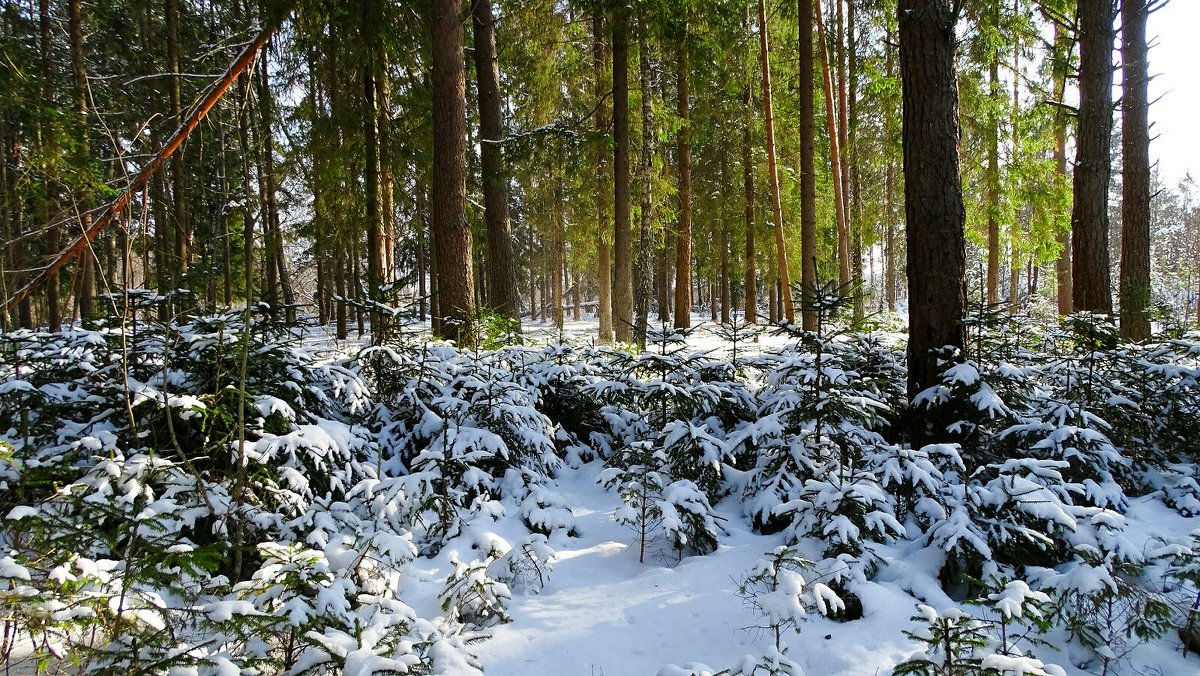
(1183, 566)
(776, 591)
(473, 598)
(1104, 606)
(525, 567)
(1016, 606)
(656, 508)
(960, 644)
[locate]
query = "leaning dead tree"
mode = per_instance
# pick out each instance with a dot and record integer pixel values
(108, 213)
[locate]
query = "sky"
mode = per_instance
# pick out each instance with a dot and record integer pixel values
(1175, 71)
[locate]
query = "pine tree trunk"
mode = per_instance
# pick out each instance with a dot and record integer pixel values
(370, 118)
(808, 175)
(53, 302)
(842, 164)
(87, 266)
(501, 264)
(1093, 162)
(643, 275)
(683, 234)
(789, 311)
(853, 180)
(622, 295)
(1062, 265)
(178, 164)
(932, 193)
(723, 235)
(1135, 163)
(751, 272)
(603, 249)
(993, 178)
(831, 126)
(456, 285)
(557, 252)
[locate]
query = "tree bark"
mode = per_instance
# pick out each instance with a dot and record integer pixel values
(839, 200)
(933, 194)
(751, 272)
(1062, 265)
(808, 170)
(456, 284)
(1092, 285)
(501, 265)
(789, 311)
(603, 249)
(643, 275)
(371, 18)
(683, 234)
(87, 258)
(1135, 163)
(622, 296)
(178, 168)
(992, 179)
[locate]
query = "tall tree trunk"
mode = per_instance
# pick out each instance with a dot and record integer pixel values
(557, 247)
(456, 284)
(178, 163)
(932, 193)
(423, 246)
(842, 164)
(1135, 163)
(647, 245)
(87, 266)
(501, 264)
(1062, 265)
(371, 19)
(835, 156)
(1093, 163)
(1017, 230)
(723, 225)
(622, 297)
(603, 249)
(46, 141)
(992, 204)
(789, 310)
(751, 273)
(808, 167)
(683, 234)
(854, 176)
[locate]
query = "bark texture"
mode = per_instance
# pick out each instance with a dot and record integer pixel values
(1092, 286)
(622, 295)
(932, 191)
(456, 284)
(1135, 163)
(501, 266)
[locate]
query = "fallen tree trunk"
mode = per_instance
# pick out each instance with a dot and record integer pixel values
(107, 214)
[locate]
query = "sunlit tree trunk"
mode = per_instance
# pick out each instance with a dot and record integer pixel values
(1135, 164)
(789, 311)
(501, 266)
(808, 183)
(622, 294)
(751, 271)
(456, 284)
(1093, 162)
(932, 193)
(683, 234)
(603, 248)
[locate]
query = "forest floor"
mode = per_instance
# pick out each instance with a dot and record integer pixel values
(602, 613)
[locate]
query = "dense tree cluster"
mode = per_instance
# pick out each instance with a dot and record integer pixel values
(542, 157)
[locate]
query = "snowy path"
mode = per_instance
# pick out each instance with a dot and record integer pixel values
(604, 614)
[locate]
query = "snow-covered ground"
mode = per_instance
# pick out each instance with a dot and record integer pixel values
(601, 612)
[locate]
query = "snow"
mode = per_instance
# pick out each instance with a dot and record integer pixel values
(571, 597)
